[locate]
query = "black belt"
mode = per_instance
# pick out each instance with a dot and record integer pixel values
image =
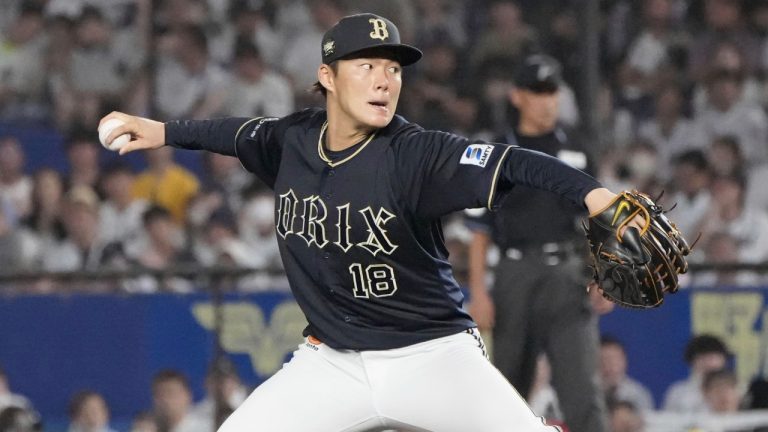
(551, 252)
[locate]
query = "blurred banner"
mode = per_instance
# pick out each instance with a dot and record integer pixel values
(52, 346)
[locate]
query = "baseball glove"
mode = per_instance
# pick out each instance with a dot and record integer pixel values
(634, 268)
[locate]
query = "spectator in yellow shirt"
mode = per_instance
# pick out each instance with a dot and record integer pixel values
(166, 184)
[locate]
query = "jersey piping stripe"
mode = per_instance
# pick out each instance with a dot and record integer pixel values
(326, 159)
(496, 177)
(237, 135)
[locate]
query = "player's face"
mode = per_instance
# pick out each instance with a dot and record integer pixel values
(366, 90)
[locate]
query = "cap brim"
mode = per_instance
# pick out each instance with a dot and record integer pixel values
(405, 54)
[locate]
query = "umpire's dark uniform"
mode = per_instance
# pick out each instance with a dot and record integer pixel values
(539, 293)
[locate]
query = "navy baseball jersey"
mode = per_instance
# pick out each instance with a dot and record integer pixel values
(359, 230)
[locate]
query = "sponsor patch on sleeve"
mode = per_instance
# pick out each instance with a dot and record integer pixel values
(476, 154)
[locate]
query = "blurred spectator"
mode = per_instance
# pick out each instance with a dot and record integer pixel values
(723, 248)
(120, 215)
(221, 244)
(22, 76)
(727, 112)
(301, 54)
(647, 54)
(703, 353)
(437, 100)
(7, 397)
(634, 167)
(188, 83)
(15, 187)
(725, 156)
(542, 397)
(669, 131)
(724, 22)
(164, 248)
(507, 37)
(15, 252)
(166, 184)
(81, 249)
(721, 391)
(144, 422)
(441, 21)
(617, 385)
(728, 212)
(83, 151)
(58, 58)
(257, 228)
(223, 393)
(45, 222)
(172, 401)
(250, 24)
(88, 412)
(103, 64)
(257, 90)
(16, 419)
(625, 417)
(692, 199)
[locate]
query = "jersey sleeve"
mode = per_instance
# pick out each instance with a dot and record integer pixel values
(259, 147)
(442, 172)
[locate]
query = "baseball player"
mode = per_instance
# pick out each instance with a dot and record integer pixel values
(359, 195)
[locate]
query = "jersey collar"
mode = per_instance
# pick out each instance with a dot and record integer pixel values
(326, 159)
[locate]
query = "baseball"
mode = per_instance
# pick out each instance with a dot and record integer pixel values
(106, 128)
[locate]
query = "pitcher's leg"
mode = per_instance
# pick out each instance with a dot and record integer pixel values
(318, 390)
(452, 387)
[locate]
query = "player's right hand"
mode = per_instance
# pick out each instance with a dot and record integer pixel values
(145, 134)
(482, 310)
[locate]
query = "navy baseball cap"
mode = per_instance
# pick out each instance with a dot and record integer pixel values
(355, 33)
(538, 73)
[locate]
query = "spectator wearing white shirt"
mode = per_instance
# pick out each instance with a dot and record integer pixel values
(669, 131)
(728, 112)
(120, 215)
(691, 176)
(257, 90)
(22, 71)
(189, 84)
(7, 397)
(172, 401)
(617, 385)
(730, 213)
(15, 186)
(703, 353)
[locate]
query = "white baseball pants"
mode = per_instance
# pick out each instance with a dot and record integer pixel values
(442, 385)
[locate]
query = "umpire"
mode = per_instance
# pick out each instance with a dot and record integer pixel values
(539, 301)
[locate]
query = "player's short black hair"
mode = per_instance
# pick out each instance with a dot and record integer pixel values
(704, 344)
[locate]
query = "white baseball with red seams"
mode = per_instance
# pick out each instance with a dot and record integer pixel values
(106, 128)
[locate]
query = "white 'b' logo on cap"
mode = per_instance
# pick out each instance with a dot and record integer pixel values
(379, 29)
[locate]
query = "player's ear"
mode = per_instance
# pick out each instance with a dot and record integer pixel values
(325, 76)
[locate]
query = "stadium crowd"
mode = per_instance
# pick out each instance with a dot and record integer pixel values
(681, 109)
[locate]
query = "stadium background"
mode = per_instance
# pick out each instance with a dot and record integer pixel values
(647, 81)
